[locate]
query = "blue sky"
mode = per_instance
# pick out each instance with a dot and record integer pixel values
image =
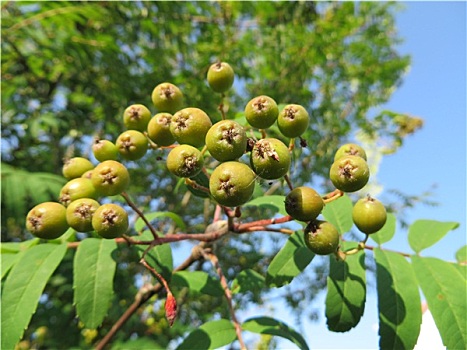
(435, 89)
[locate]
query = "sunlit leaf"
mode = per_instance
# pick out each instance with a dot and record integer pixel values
(425, 233)
(197, 281)
(211, 335)
(339, 213)
(247, 280)
(387, 232)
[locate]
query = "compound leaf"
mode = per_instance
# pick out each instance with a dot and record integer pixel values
(268, 325)
(399, 303)
(387, 232)
(211, 335)
(346, 291)
(444, 288)
(425, 233)
(197, 281)
(290, 261)
(23, 289)
(339, 213)
(93, 273)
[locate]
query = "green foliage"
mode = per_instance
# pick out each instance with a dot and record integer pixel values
(387, 232)
(211, 335)
(419, 238)
(197, 281)
(339, 213)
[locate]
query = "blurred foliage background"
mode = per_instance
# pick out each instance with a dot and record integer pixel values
(69, 69)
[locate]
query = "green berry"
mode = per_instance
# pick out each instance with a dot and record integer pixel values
(190, 126)
(303, 204)
(321, 237)
(79, 214)
(226, 140)
(349, 173)
(293, 120)
(369, 215)
(104, 150)
(232, 183)
(270, 158)
(136, 117)
(110, 178)
(110, 221)
(47, 220)
(350, 149)
(132, 145)
(167, 97)
(185, 161)
(261, 112)
(75, 167)
(77, 188)
(220, 77)
(159, 129)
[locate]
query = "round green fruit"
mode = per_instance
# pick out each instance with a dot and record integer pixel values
(75, 167)
(47, 220)
(104, 150)
(132, 144)
(79, 214)
(226, 140)
(74, 189)
(87, 174)
(350, 149)
(110, 178)
(349, 173)
(159, 129)
(136, 117)
(110, 221)
(185, 161)
(293, 120)
(220, 77)
(321, 237)
(369, 215)
(270, 158)
(190, 126)
(303, 204)
(232, 183)
(167, 97)
(261, 112)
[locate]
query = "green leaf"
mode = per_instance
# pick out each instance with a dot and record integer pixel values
(247, 280)
(461, 255)
(444, 288)
(268, 325)
(211, 335)
(8, 260)
(339, 213)
(159, 257)
(23, 289)
(138, 344)
(139, 224)
(93, 273)
(387, 232)
(274, 202)
(290, 261)
(198, 281)
(399, 303)
(346, 294)
(425, 233)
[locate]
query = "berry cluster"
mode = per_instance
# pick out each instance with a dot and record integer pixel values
(188, 136)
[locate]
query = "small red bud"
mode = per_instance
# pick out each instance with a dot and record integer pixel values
(170, 309)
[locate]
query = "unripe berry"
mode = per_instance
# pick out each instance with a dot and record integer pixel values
(190, 126)
(226, 140)
(303, 204)
(104, 150)
(159, 129)
(220, 77)
(110, 178)
(110, 221)
(293, 120)
(232, 183)
(185, 161)
(350, 149)
(321, 237)
(47, 220)
(79, 214)
(77, 188)
(136, 117)
(132, 144)
(75, 167)
(270, 158)
(369, 215)
(261, 112)
(349, 173)
(167, 97)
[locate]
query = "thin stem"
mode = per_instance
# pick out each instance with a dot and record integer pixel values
(221, 107)
(140, 214)
(289, 182)
(196, 186)
(261, 223)
(331, 196)
(291, 144)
